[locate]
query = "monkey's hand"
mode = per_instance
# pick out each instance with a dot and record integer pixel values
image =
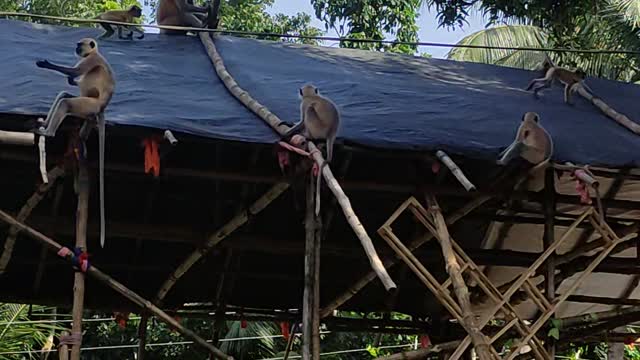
(43, 64)
(72, 81)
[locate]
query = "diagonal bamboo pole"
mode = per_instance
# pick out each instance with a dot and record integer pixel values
(218, 236)
(609, 111)
(281, 128)
(118, 287)
(24, 213)
(366, 279)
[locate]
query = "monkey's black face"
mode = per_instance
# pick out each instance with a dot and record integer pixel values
(135, 11)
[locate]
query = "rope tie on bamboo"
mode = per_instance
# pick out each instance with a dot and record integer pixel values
(585, 179)
(79, 259)
(72, 339)
(151, 156)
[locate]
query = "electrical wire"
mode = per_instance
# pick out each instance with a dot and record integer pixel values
(325, 38)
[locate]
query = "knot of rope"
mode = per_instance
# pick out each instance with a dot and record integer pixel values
(79, 259)
(582, 187)
(151, 156)
(71, 339)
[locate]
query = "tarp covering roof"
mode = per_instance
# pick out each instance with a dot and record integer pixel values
(387, 101)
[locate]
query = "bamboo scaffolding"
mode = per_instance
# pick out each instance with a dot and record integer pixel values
(311, 296)
(609, 111)
(423, 353)
(17, 138)
(63, 350)
(548, 239)
(142, 336)
(367, 278)
(281, 128)
(24, 213)
(455, 170)
(218, 236)
(96, 273)
(459, 286)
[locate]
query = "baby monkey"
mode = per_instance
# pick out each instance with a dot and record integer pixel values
(570, 79)
(533, 143)
(121, 16)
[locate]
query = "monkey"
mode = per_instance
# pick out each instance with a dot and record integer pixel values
(121, 16)
(570, 79)
(97, 84)
(185, 13)
(533, 143)
(319, 119)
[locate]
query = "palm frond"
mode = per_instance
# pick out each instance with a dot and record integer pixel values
(503, 36)
(629, 9)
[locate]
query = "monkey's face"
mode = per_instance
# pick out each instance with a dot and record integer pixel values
(530, 116)
(308, 90)
(135, 11)
(581, 74)
(86, 46)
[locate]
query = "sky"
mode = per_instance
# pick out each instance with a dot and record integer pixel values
(427, 23)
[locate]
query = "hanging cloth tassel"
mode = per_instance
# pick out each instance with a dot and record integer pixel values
(151, 156)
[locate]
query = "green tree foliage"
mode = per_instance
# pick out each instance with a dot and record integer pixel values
(17, 334)
(371, 19)
(68, 8)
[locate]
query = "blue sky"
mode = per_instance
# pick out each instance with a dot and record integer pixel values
(427, 23)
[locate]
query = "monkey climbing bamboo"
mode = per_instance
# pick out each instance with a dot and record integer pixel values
(96, 273)
(218, 236)
(280, 127)
(24, 213)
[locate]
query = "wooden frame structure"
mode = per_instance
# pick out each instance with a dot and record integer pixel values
(458, 262)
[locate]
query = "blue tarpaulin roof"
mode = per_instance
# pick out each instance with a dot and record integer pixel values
(387, 101)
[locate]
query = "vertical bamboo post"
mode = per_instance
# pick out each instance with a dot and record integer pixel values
(142, 335)
(63, 351)
(310, 299)
(82, 214)
(548, 239)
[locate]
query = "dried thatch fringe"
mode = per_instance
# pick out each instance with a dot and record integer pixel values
(96, 273)
(281, 128)
(24, 213)
(218, 236)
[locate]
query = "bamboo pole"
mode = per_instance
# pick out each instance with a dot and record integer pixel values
(367, 278)
(281, 128)
(63, 350)
(455, 170)
(548, 239)
(460, 287)
(17, 138)
(239, 220)
(24, 213)
(96, 273)
(142, 336)
(310, 306)
(596, 317)
(609, 111)
(82, 215)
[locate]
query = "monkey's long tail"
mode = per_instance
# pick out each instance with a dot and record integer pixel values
(101, 140)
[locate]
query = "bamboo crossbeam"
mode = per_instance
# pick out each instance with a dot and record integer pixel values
(281, 128)
(96, 273)
(311, 296)
(17, 138)
(367, 278)
(602, 300)
(218, 236)
(423, 353)
(24, 213)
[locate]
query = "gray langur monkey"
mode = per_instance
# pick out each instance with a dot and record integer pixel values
(185, 13)
(570, 79)
(97, 84)
(126, 16)
(319, 120)
(533, 143)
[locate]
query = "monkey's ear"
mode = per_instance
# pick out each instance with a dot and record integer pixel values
(300, 91)
(536, 118)
(315, 90)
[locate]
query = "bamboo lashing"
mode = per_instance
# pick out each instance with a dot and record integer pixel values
(17, 138)
(24, 213)
(455, 170)
(281, 128)
(96, 273)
